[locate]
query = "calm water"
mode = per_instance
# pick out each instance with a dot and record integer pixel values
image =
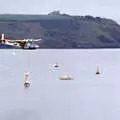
(87, 97)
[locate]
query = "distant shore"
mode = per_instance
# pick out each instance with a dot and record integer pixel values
(62, 31)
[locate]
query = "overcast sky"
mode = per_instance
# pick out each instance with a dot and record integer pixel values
(102, 8)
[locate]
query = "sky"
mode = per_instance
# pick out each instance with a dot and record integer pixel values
(101, 8)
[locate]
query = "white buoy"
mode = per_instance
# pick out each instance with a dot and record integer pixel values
(26, 80)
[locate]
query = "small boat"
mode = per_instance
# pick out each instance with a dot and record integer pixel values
(30, 46)
(66, 77)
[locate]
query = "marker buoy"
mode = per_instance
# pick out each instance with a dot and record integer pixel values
(26, 81)
(66, 77)
(98, 70)
(56, 65)
(26, 84)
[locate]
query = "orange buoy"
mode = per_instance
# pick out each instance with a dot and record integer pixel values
(66, 77)
(98, 70)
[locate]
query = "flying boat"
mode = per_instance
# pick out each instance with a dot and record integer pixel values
(18, 44)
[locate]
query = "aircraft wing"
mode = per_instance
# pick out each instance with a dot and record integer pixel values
(24, 41)
(28, 40)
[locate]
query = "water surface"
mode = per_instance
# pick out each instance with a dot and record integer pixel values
(87, 97)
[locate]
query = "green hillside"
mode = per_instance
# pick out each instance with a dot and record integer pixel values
(63, 31)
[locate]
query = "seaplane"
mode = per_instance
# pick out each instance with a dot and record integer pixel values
(18, 44)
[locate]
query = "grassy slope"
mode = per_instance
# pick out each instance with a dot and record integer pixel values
(62, 31)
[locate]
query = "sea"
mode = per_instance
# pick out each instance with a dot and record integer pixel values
(87, 97)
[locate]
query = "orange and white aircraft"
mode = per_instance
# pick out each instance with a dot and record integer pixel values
(20, 44)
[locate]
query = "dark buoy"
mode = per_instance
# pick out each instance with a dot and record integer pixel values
(26, 85)
(98, 70)
(56, 65)
(26, 81)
